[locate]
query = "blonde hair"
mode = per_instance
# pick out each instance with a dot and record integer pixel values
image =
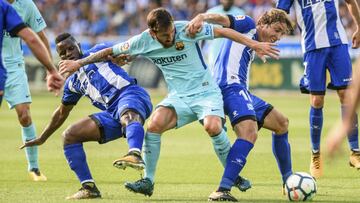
(276, 16)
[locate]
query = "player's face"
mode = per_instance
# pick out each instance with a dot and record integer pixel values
(273, 32)
(166, 36)
(68, 50)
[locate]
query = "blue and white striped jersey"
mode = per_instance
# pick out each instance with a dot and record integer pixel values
(232, 65)
(100, 82)
(319, 22)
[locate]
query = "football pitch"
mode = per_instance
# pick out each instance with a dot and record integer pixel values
(188, 170)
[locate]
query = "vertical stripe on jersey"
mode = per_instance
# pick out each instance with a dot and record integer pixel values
(308, 22)
(331, 18)
(200, 55)
(108, 74)
(220, 70)
(321, 25)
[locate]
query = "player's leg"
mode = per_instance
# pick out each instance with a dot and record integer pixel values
(161, 120)
(211, 116)
(134, 107)
(340, 72)
(278, 124)
(170, 113)
(242, 117)
(18, 97)
(100, 127)
(315, 78)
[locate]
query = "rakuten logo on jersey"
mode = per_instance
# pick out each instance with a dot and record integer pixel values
(165, 61)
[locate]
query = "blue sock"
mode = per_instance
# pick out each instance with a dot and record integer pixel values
(152, 146)
(316, 122)
(135, 136)
(282, 152)
(221, 144)
(353, 137)
(76, 159)
(29, 133)
(236, 160)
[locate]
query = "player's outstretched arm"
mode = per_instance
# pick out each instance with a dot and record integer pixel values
(58, 118)
(70, 66)
(196, 24)
(355, 14)
(262, 49)
(54, 80)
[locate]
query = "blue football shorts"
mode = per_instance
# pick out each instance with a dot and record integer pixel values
(110, 129)
(336, 60)
(240, 105)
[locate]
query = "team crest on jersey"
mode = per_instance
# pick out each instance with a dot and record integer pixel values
(179, 46)
(125, 46)
(239, 17)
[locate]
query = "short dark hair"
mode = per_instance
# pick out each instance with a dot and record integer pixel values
(159, 19)
(63, 36)
(276, 16)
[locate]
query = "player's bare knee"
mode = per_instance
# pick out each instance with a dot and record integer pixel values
(155, 126)
(129, 117)
(213, 128)
(317, 101)
(341, 94)
(24, 118)
(69, 136)
(283, 125)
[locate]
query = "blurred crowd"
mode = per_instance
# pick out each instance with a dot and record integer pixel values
(103, 18)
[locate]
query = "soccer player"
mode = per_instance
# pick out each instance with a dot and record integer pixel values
(193, 94)
(247, 112)
(125, 106)
(324, 44)
(17, 92)
(12, 24)
(214, 46)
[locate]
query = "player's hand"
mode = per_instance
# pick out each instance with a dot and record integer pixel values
(35, 142)
(356, 39)
(54, 82)
(263, 49)
(68, 67)
(195, 25)
(120, 60)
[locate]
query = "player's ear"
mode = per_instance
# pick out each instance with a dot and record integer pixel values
(80, 50)
(152, 33)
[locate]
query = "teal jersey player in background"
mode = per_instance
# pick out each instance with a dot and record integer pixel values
(17, 93)
(214, 46)
(193, 94)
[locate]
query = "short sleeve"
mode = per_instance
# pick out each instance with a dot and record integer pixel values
(207, 32)
(241, 23)
(133, 46)
(13, 22)
(71, 96)
(34, 18)
(284, 5)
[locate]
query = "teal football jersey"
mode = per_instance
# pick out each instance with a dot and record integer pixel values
(12, 51)
(183, 66)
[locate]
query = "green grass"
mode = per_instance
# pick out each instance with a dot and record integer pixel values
(188, 169)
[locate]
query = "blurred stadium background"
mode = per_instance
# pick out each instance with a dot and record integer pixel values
(97, 21)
